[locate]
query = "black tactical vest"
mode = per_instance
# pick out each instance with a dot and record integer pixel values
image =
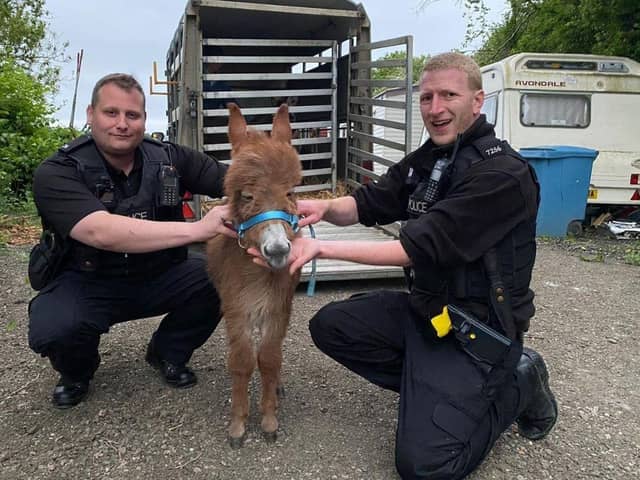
(469, 285)
(142, 205)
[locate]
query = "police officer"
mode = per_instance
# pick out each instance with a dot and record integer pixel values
(112, 200)
(469, 204)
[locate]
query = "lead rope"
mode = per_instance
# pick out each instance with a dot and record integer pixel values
(311, 285)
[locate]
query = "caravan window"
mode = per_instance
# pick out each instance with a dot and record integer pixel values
(551, 110)
(490, 108)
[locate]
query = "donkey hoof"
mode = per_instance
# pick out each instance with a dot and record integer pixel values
(280, 391)
(236, 442)
(270, 437)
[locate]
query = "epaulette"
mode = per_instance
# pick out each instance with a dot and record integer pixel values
(76, 143)
(153, 141)
(489, 147)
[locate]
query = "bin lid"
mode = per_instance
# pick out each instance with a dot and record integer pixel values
(557, 151)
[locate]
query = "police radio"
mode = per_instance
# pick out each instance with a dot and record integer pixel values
(104, 190)
(431, 191)
(169, 193)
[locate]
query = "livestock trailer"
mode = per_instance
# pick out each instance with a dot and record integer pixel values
(315, 55)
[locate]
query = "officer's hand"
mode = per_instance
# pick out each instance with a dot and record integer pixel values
(311, 211)
(303, 250)
(216, 222)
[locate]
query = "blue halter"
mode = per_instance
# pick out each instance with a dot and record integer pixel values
(290, 218)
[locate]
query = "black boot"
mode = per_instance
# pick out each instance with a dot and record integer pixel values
(76, 371)
(538, 407)
(69, 393)
(178, 376)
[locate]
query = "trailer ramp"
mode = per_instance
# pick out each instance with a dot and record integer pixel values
(340, 270)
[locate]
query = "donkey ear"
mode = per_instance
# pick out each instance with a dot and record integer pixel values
(281, 129)
(237, 125)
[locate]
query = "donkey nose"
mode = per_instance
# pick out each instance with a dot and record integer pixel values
(277, 249)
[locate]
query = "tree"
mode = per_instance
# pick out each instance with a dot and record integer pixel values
(566, 26)
(29, 74)
(26, 41)
(26, 134)
(475, 13)
(390, 73)
(600, 27)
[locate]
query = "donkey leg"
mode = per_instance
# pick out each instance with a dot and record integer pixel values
(270, 363)
(241, 363)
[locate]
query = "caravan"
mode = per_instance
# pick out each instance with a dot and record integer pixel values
(536, 99)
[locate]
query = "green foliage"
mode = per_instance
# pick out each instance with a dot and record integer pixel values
(595, 257)
(475, 13)
(29, 74)
(26, 134)
(566, 26)
(26, 41)
(632, 255)
(393, 73)
(477, 24)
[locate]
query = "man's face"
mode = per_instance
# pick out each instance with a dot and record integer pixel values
(448, 104)
(117, 120)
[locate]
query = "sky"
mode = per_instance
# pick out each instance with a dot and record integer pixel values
(129, 35)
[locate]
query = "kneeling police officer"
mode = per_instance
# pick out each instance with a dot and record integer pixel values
(452, 345)
(114, 246)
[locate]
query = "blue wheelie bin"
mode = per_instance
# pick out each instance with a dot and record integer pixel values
(564, 173)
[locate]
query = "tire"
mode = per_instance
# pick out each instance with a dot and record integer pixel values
(574, 229)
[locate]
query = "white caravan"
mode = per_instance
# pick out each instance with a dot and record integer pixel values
(591, 101)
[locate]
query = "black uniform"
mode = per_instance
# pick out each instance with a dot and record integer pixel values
(97, 289)
(452, 408)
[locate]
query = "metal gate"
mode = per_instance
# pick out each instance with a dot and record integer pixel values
(363, 161)
(261, 74)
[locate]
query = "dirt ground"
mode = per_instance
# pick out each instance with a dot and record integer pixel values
(334, 425)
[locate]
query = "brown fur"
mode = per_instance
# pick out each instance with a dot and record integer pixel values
(262, 176)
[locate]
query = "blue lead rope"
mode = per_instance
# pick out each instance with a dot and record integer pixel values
(311, 285)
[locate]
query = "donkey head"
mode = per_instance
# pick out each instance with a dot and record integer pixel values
(262, 176)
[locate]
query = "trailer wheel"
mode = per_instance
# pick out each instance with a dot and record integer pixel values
(574, 229)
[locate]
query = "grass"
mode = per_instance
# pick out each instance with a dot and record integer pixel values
(632, 255)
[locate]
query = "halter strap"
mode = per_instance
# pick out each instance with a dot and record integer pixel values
(290, 218)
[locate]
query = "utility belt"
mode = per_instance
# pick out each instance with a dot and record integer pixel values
(113, 264)
(46, 259)
(481, 342)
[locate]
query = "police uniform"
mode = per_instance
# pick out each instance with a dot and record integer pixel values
(97, 289)
(452, 407)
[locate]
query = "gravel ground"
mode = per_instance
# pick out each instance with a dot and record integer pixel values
(334, 425)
